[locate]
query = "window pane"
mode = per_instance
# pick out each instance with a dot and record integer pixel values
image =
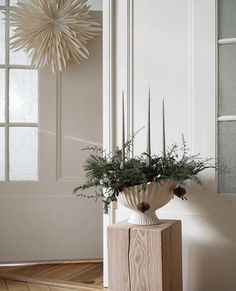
(23, 94)
(227, 77)
(2, 38)
(227, 157)
(13, 2)
(2, 153)
(18, 57)
(23, 153)
(2, 95)
(2, 2)
(227, 18)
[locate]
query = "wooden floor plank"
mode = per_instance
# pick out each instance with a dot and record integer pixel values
(93, 275)
(84, 273)
(52, 283)
(16, 286)
(3, 286)
(60, 289)
(64, 272)
(88, 276)
(37, 287)
(40, 269)
(7, 269)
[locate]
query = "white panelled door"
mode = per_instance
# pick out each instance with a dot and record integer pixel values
(42, 134)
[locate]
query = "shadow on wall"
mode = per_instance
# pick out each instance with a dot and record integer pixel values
(210, 267)
(209, 236)
(209, 240)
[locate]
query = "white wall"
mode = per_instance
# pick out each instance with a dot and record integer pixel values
(43, 220)
(170, 45)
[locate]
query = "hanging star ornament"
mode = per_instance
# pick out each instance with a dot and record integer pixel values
(52, 32)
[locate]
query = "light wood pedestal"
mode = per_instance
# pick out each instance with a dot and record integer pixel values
(145, 258)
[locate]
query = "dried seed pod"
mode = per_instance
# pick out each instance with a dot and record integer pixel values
(143, 206)
(179, 191)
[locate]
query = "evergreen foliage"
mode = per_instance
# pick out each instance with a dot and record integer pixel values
(108, 171)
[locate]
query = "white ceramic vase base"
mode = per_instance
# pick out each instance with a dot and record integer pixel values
(144, 219)
(144, 200)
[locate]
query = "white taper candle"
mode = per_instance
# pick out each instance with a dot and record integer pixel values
(123, 130)
(148, 130)
(163, 129)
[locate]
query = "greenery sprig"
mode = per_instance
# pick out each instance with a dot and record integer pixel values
(108, 172)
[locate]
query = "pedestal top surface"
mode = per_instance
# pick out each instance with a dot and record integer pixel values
(164, 223)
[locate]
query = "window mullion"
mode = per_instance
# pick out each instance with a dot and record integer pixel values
(17, 67)
(7, 166)
(227, 118)
(19, 124)
(226, 41)
(7, 127)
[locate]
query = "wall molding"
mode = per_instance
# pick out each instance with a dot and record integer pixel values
(109, 112)
(109, 98)
(109, 109)
(130, 70)
(58, 126)
(191, 71)
(108, 76)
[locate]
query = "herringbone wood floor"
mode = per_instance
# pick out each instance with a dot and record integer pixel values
(10, 285)
(52, 277)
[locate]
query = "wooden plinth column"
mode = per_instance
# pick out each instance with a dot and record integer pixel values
(145, 258)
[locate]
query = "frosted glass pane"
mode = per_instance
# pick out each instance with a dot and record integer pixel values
(18, 57)
(2, 2)
(227, 157)
(23, 95)
(227, 18)
(23, 153)
(2, 38)
(2, 95)
(227, 77)
(2, 153)
(13, 2)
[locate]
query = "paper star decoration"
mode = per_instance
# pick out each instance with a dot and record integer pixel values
(52, 32)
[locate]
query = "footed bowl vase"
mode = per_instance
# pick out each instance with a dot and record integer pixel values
(144, 200)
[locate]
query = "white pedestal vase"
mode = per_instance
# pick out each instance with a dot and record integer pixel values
(144, 200)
